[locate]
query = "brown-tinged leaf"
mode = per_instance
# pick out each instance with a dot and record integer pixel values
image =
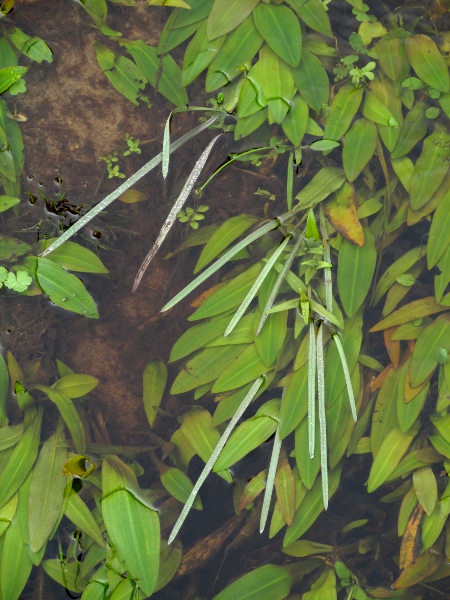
(424, 566)
(409, 392)
(392, 346)
(340, 210)
(412, 539)
(410, 312)
(285, 488)
(252, 490)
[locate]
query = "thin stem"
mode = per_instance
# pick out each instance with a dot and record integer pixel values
(312, 389)
(322, 415)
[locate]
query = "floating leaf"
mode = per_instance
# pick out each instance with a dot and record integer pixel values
(76, 386)
(270, 582)
(427, 61)
(315, 16)
(439, 236)
(342, 110)
(425, 355)
(410, 312)
(425, 487)
(359, 146)
(277, 84)
(340, 210)
(179, 486)
(70, 415)
(311, 79)
(296, 121)
(326, 181)
(281, 31)
(226, 15)
(199, 54)
(356, 266)
(154, 384)
(430, 168)
(80, 515)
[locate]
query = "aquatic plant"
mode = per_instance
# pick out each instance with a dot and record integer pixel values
(285, 340)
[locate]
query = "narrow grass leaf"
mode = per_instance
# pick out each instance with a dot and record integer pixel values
(312, 362)
(221, 261)
(171, 218)
(154, 384)
(351, 396)
(322, 415)
(213, 458)
(255, 287)
(270, 483)
(166, 146)
(154, 162)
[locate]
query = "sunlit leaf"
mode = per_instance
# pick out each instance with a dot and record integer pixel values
(311, 79)
(226, 15)
(281, 31)
(342, 110)
(340, 210)
(427, 61)
(270, 582)
(425, 355)
(76, 386)
(359, 147)
(430, 168)
(410, 312)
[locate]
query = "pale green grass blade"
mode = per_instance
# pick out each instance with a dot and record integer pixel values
(125, 186)
(312, 389)
(281, 277)
(255, 287)
(213, 458)
(171, 217)
(348, 380)
(270, 479)
(221, 261)
(290, 181)
(322, 416)
(166, 146)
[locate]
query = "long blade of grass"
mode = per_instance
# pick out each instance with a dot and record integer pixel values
(154, 162)
(322, 416)
(255, 287)
(312, 389)
(281, 277)
(290, 181)
(166, 145)
(214, 456)
(348, 381)
(270, 479)
(273, 224)
(171, 217)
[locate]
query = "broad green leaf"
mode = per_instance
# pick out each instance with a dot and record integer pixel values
(326, 181)
(391, 56)
(302, 548)
(170, 37)
(285, 488)
(425, 355)
(76, 386)
(245, 368)
(229, 296)
(308, 467)
(425, 487)
(399, 267)
(281, 30)
(7, 512)
(21, 459)
(375, 110)
(247, 125)
(342, 110)
(251, 98)
(199, 54)
(240, 47)
(432, 526)
(226, 15)
(74, 257)
(32, 47)
(149, 64)
(310, 508)
(324, 587)
(230, 403)
(122, 73)
(134, 530)
(198, 429)
(295, 402)
(227, 233)
(427, 61)
(410, 312)
(9, 75)
(442, 280)
(384, 417)
(439, 235)
(7, 202)
(15, 142)
(248, 436)
(7, 167)
(412, 131)
(295, 122)
(70, 415)
(359, 147)
(46, 493)
(198, 336)
(403, 168)
(154, 384)
(10, 435)
(356, 266)
(408, 410)
(312, 81)
(64, 289)
(15, 564)
(430, 168)
(271, 338)
(199, 10)
(411, 331)
(270, 582)
(314, 15)
(80, 515)
(389, 455)
(206, 366)
(179, 486)
(277, 83)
